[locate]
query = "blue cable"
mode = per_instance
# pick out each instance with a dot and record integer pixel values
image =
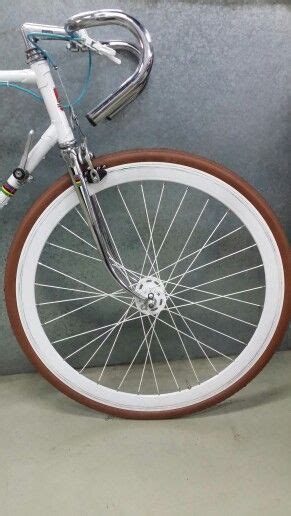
(86, 83)
(17, 87)
(87, 80)
(33, 36)
(48, 35)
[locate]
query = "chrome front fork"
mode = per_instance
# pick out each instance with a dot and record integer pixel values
(82, 172)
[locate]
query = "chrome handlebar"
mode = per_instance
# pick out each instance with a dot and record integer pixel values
(143, 51)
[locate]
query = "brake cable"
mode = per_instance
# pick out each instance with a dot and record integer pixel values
(85, 87)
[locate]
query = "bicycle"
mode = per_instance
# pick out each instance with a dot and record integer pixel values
(146, 283)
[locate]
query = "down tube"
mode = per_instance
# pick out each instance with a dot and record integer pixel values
(41, 148)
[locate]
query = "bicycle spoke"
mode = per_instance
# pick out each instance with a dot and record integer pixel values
(63, 288)
(197, 250)
(227, 315)
(166, 359)
(124, 296)
(72, 311)
(112, 327)
(153, 227)
(78, 236)
(199, 303)
(67, 276)
(91, 331)
(217, 260)
(197, 341)
(82, 217)
(213, 329)
(115, 341)
(169, 228)
(245, 302)
(103, 342)
(134, 225)
(184, 347)
(216, 351)
(219, 296)
(186, 243)
(148, 355)
(192, 338)
(84, 306)
(184, 287)
(134, 273)
(74, 252)
(67, 300)
(112, 295)
(202, 248)
(136, 354)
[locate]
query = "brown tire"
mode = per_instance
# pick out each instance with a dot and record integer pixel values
(161, 155)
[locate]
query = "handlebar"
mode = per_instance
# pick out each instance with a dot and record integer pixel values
(142, 50)
(131, 88)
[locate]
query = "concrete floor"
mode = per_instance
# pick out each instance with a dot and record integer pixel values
(59, 458)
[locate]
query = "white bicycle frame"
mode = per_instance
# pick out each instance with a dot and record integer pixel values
(40, 75)
(59, 130)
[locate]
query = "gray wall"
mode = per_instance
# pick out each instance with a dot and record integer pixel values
(218, 88)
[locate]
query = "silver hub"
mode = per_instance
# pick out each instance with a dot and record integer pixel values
(153, 290)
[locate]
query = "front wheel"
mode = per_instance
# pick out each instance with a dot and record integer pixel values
(188, 231)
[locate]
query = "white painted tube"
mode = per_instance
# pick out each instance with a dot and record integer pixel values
(23, 76)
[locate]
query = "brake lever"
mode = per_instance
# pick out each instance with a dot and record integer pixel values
(86, 43)
(104, 50)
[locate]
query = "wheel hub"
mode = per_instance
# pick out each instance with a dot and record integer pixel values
(154, 292)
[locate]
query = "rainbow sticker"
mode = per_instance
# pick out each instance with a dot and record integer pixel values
(8, 190)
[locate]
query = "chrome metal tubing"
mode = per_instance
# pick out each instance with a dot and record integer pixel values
(129, 89)
(136, 52)
(96, 223)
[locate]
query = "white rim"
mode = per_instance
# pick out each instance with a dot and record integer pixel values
(233, 200)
